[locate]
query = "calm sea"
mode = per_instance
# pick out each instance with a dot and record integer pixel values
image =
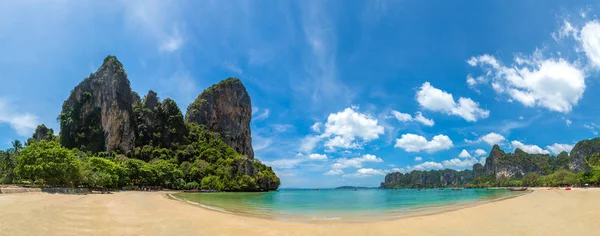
(343, 204)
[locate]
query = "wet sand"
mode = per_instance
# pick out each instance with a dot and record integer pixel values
(543, 212)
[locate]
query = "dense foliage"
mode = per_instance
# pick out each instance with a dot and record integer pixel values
(524, 170)
(428, 179)
(170, 154)
(204, 162)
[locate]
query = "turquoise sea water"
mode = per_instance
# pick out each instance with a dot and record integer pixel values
(343, 204)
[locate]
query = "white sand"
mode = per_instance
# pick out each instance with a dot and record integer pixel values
(543, 212)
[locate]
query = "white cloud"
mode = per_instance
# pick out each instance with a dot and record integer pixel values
(171, 44)
(568, 122)
(590, 42)
(284, 163)
(263, 115)
(438, 100)
(558, 148)
(459, 164)
(308, 143)
(338, 141)
(531, 149)
(404, 117)
(480, 152)
(464, 154)
(342, 163)
(418, 158)
(22, 123)
(316, 127)
(283, 127)
(421, 119)
(365, 172)
(555, 84)
(492, 138)
(592, 127)
(429, 165)
(316, 156)
(416, 143)
(334, 172)
(260, 143)
(348, 125)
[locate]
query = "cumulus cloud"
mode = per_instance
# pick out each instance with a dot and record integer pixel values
(480, 152)
(308, 143)
(404, 117)
(558, 148)
(343, 128)
(316, 127)
(531, 149)
(22, 123)
(416, 143)
(435, 99)
(555, 84)
(418, 158)
(464, 154)
(429, 165)
(334, 172)
(492, 138)
(365, 172)
(459, 164)
(284, 163)
(590, 42)
(342, 163)
(568, 122)
(316, 156)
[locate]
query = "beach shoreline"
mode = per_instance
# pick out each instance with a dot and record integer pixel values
(541, 212)
(405, 213)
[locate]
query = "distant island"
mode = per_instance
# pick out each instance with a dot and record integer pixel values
(110, 137)
(581, 167)
(353, 187)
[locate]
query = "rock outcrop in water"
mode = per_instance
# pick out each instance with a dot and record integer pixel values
(225, 108)
(97, 116)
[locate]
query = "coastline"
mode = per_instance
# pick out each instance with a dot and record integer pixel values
(541, 212)
(426, 210)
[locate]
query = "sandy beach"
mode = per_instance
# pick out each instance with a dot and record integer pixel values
(542, 212)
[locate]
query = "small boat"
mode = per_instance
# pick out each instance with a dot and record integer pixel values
(517, 188)
(456, 189)
(567, 188)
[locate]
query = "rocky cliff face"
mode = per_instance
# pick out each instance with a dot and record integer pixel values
(580, 151)
(97, 116)
(225, 108)
(509, 165)
(428, 179)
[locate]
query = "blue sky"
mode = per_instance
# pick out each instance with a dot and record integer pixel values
(342, 91)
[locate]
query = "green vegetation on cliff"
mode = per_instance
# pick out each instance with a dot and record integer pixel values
(514, 169)
(110, 138)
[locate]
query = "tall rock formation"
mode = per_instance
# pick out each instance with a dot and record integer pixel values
(97, 116)
(225, 108)
(582, 149)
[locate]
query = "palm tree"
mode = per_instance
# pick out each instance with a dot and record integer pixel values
(16, 146)
(7, 164)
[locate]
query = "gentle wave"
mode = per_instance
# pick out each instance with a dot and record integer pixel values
(335, 205)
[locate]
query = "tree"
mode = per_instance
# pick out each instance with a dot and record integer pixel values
(7, 165)
(16, 146)
(50, 163)
(531, 179)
